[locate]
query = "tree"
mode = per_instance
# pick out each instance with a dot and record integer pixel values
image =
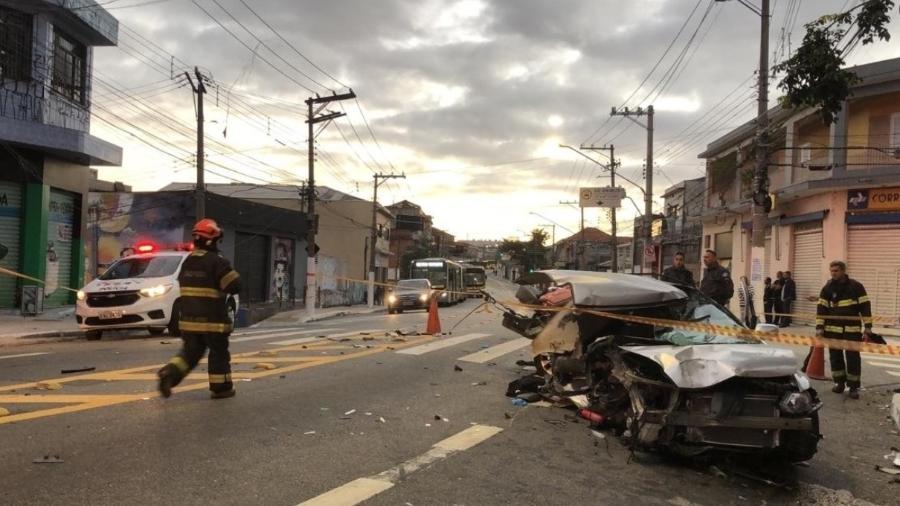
(421, 248)
(531, 254)
(814, 75)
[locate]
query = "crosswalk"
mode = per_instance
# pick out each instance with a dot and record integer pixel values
(890, 366)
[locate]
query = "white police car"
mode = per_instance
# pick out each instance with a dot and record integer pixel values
(137, 291)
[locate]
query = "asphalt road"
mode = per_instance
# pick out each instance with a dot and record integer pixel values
(371, 416)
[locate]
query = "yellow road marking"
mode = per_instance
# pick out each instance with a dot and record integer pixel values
(82, 402)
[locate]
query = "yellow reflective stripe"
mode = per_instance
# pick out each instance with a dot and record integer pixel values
(824, 302)
(833, 328)
(838, 375)
(188, 326)
(864, 298)
(867, 320)
(855, 328)
(852, 377)
(198, 253)
(191, 291)
(227, 279)
(220, 378)
(820, 321)
(180, 364)
(845, 303)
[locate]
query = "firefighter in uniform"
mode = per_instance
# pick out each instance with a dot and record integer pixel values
(845, 298)
(205, 279)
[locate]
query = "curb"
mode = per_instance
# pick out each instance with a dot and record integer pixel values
(895, 410)
(340, 314)
(56, 333)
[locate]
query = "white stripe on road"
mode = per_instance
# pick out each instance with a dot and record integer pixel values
(21, 355)
(272, 335)
(893, 373)
(302, 340)
(882, 358)
(892, 365)
(441, 344)
(480, 357)
(363, 489)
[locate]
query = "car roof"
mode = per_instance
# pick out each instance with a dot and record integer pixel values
(169, 253)
(608, 289)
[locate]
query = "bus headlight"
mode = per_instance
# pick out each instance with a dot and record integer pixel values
(443, 295)
(155, 291)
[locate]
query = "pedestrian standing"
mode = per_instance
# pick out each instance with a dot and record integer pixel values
(205, 279)
(745, 302)
(777, 288)
(769, 296)
(788, 296)
(843, 304)
(379, 295)
(677, 273)
(716, 283)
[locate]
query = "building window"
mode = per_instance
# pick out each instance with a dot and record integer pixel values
(69, 65)
(15, 45)
(724, 245)
(895, 131)
(805, 154)
(707, 241)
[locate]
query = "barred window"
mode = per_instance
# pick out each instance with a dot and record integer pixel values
(15, 45)
(69, 61)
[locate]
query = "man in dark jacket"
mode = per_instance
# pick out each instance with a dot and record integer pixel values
(843, 305)
(716, 283)
(205, 279)
(677, 273)
(788, 296)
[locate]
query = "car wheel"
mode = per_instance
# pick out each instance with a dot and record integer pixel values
(390, 311)
(398, 311)
(156, 331)
(173, 327)
(93, 335)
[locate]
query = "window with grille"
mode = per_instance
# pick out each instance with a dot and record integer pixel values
(15, 45)
(69, 60)
(895, 131)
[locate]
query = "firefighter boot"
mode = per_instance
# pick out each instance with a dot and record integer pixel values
(223, 394)
(838, 388)
(168, 378)
(854, 393)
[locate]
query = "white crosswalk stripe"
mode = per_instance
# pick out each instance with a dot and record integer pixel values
(272, 335)
(488, 354)
(301, 340)
(890, 365)
(441, 344)
(23, 355)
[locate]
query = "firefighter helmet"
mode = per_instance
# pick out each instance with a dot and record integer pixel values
(207, 229)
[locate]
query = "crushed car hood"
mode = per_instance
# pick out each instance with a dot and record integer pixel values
(607, 290)
(702, 366)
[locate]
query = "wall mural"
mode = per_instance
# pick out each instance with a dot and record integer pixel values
(282, 266)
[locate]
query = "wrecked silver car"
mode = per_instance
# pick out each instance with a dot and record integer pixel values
(686, 391)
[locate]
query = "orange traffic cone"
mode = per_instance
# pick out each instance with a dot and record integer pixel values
(815, 369)
(434, 322)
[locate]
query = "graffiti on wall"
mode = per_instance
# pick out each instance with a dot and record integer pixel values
(119, 221)
(282, 266)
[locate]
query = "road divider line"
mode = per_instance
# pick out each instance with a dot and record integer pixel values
(488, 354)
(23, 355)
(441, 344)
(277, 334)
(302, 340)
(362, 489)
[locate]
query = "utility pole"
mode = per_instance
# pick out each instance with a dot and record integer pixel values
(200, 191)
(648, 173)
(313, 118)
(614, 246)
(374, 236)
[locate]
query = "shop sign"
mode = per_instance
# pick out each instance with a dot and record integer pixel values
(874, 199)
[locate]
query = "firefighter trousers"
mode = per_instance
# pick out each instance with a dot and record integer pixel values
(192, 350)
(846, 366)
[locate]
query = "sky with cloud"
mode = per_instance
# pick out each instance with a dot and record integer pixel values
(470, 98)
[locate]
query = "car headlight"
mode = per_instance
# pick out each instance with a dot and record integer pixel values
(423, 297)
(392, 299)
(798, 403)
(155, 291)
(81, 295)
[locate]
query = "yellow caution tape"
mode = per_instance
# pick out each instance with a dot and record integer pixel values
(725, 330)
(29, 278)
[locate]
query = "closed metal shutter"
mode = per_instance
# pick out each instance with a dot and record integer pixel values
(59, 249)
(873, 259)
(10, 237)
(807, 268)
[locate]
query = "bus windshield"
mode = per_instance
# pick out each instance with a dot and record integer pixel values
(474, 276)
(434, 271)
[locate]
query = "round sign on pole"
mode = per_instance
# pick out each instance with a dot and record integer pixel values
(649, 252)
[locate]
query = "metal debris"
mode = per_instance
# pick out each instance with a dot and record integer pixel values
(348, 413)
(457, 368)
(267, 353)
(479, 384)
(48, 459)
(888, 470)
(309, 433)
(80, 369)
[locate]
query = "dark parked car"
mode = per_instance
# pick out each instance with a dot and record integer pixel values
(409, 294)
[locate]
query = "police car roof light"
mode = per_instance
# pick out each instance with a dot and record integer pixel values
(145, 248)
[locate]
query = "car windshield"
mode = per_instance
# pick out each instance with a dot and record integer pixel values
(143, 267)
(699, 310)
(412, 284)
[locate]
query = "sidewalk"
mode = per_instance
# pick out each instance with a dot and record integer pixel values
(300, 316)
(52, 323)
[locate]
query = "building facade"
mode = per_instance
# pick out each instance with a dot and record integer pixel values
(595, 245)
(835, 192)
(681, 227)
(411, 231)
(46, 56)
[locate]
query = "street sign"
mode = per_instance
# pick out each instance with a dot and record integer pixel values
(608, 196)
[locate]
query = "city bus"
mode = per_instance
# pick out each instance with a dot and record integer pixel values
(475, 279)
(445, 276)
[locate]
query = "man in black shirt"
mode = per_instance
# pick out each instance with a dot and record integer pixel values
(677, 273)
(716, 283)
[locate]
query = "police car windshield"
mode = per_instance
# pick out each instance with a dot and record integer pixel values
(149, 267)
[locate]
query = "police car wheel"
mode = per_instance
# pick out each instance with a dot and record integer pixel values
(93, 335)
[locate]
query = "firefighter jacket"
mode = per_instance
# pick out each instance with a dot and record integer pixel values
(678, 276)
(206, 279)
(844, 298)
(717, 284)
